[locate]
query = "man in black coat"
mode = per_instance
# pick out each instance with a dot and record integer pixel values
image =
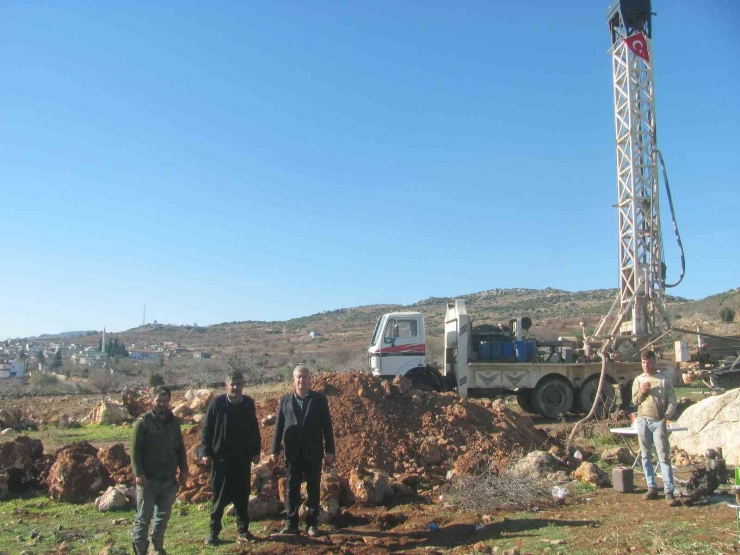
(230, 442)
(304, 424)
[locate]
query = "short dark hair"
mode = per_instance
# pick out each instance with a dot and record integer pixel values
(648, 355)
(234, 376)
(161, 390)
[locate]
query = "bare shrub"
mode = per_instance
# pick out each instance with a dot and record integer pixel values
(490, 491)
(103, 383)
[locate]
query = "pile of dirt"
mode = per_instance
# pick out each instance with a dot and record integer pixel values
(21, 462)
(77, 474)
(136, 400)
(118, 463)
(414, 437)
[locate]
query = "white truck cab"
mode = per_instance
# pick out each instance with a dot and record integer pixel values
(398, 345)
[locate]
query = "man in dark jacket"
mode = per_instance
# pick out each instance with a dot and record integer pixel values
(230, 442)
(304, 424)
(157, 450)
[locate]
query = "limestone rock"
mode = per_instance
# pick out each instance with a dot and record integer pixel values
(537, 463)
(136, 401)
(592, 474)
(431, 452)
(711, 423)
(113, 498)
(618, 455)
(107, 412)
(263, 506)
(264, 470)
(401, 384)
(201, 398)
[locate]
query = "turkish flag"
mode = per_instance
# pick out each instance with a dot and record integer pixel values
(638, 44)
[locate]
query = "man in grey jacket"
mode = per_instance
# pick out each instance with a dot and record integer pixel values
(157, 451)
(655, 399)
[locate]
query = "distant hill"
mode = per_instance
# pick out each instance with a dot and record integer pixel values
(65, 334)
(554, 312)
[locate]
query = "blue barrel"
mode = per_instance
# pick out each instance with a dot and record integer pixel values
(496, 350)
(521, 351)
(484, 350)
(507, 349)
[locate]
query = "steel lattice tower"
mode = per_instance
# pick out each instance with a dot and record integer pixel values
(641, 274)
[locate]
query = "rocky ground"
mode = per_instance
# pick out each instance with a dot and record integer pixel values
(396, 446)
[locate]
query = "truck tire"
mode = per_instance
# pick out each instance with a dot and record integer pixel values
(625, 395)
(426, 378)
(552, 397)
(524, 400)
(587, 393)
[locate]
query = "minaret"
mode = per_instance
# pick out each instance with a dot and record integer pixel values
(102, 349)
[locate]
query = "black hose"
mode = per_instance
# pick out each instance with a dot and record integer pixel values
(675, 224)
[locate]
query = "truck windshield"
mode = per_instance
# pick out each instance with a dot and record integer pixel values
(376, 332)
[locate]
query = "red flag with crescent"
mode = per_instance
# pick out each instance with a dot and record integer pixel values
(638, 44)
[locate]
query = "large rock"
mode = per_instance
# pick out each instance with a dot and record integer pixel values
(201, 398)
(431, 452)
(370, 487)
(263, 506)
(537, 463)
(592, 474)
(712, 423)
(136, 401)
(618, 455)
(118, 497)
(107, 412)
(77, 474)
(402, 384)
(17, 463)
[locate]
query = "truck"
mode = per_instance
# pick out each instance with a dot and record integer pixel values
(549, 378)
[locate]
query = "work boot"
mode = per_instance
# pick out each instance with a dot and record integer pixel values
(212, 539)
(651, 494)
(289, 530)
(140, 549)
(312, 531)
(245, 537)
(672, 501)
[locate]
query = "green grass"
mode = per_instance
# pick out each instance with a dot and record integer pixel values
(86, 530)
(54, 438)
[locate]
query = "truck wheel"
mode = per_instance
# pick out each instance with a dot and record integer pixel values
(524, 400)
(625, 395)
(552, 397)
(587, 393)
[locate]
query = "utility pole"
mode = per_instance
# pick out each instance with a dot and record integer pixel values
(143, 321)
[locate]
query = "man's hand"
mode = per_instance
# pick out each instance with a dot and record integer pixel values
(142, 481)
(644, 387)
(182, 478)
(329, 459)
(205, 461)
(256, 459)
(273, 458)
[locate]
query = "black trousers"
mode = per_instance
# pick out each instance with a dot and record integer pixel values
(230, 482)
(298, 472)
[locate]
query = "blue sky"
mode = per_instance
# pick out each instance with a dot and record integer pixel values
(268, 160)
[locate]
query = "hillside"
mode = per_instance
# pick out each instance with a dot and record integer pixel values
(554, 312)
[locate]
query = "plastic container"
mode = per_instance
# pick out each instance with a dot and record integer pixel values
(623, 479)
(484, 350)
(507, 349)
(497, 350)
(521, 351)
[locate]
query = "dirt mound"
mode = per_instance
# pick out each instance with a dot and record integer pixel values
(117, 462)
(136, 401)
(77, 474)
(377, 426)
(414, 436)
(19, 463)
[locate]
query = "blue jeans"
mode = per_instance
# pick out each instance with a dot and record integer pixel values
(651, 432)
(154, 499)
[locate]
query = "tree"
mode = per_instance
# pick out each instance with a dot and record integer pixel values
(155, 379)
(57, 362)
(40, 356)
(727, 314)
